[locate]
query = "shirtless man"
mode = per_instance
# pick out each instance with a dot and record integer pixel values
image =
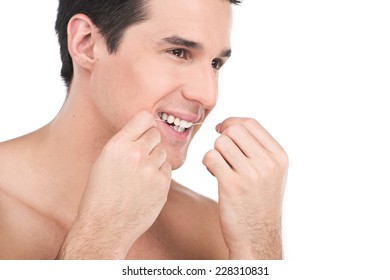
(95, 183)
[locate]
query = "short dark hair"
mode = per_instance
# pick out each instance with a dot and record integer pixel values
(112, 18)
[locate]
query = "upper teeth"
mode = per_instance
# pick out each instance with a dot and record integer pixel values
(175, 121)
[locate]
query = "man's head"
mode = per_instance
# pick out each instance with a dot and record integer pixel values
(111, 17)
(163, 59)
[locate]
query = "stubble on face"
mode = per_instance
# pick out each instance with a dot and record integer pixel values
(145, 74)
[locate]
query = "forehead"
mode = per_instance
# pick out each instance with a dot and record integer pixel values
(198, 20)
(213, 9)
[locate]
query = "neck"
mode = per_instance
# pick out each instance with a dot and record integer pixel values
(65, 149)
(79, 130)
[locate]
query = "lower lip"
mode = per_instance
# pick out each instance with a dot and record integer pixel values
(173, 134)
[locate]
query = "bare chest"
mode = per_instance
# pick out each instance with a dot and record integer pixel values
(157, 246)
(27, 234)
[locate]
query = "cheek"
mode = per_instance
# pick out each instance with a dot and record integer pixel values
(145, 80)
(127, 86)
(156, 80)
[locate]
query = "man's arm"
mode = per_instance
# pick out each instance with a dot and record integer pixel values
(251, 168)
(122, 200)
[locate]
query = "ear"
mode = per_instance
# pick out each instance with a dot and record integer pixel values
(81, 40)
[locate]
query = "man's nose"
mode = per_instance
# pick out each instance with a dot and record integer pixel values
(202, 86)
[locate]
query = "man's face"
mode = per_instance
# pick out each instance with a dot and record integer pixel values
(167, 65)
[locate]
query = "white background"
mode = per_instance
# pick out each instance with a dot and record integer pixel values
(316, 74)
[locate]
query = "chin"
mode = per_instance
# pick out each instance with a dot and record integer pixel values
(176, 161)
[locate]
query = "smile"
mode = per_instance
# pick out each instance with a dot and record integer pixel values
(176, 123)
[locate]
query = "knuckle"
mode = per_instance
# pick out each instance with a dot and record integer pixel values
(113, 146)
(251, 122)
(234, 130)
(276, 165)
(208, 157)
(283, 160)
(252, 175)
(149, 170)
(220, 142)
(270, 166)
(211, 159)
(136, 154)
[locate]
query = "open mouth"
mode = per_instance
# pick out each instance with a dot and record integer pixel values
(175, 123)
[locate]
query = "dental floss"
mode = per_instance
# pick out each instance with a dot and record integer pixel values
(198, 123)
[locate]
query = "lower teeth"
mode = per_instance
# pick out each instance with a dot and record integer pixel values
(178, 128)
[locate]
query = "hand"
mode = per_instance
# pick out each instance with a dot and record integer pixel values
(127, 188)
(251, 168)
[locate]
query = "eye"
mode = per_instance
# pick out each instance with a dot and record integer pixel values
(180, 53)
(217, 64)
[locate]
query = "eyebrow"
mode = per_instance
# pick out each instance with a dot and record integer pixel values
(179, 41)
(182, 42)
(226, 53)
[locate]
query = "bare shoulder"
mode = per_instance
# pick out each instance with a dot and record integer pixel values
(8, 157)
(12, 165)
(197, 217)
(25, 232)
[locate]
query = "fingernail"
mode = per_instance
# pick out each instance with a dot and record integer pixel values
(218, 127)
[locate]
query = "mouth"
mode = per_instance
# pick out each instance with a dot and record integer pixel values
(175, 123)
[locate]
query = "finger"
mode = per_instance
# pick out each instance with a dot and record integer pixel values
(257, 130)
(158, 156)
(138, 125)
(149, 140)
(216, 164)
(166, 169)
(232, 154)
(245, 141)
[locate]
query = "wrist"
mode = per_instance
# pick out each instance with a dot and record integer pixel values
(94, 243)
(262, 243)
(241, 254)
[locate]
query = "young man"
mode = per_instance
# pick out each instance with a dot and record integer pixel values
(95, 183)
